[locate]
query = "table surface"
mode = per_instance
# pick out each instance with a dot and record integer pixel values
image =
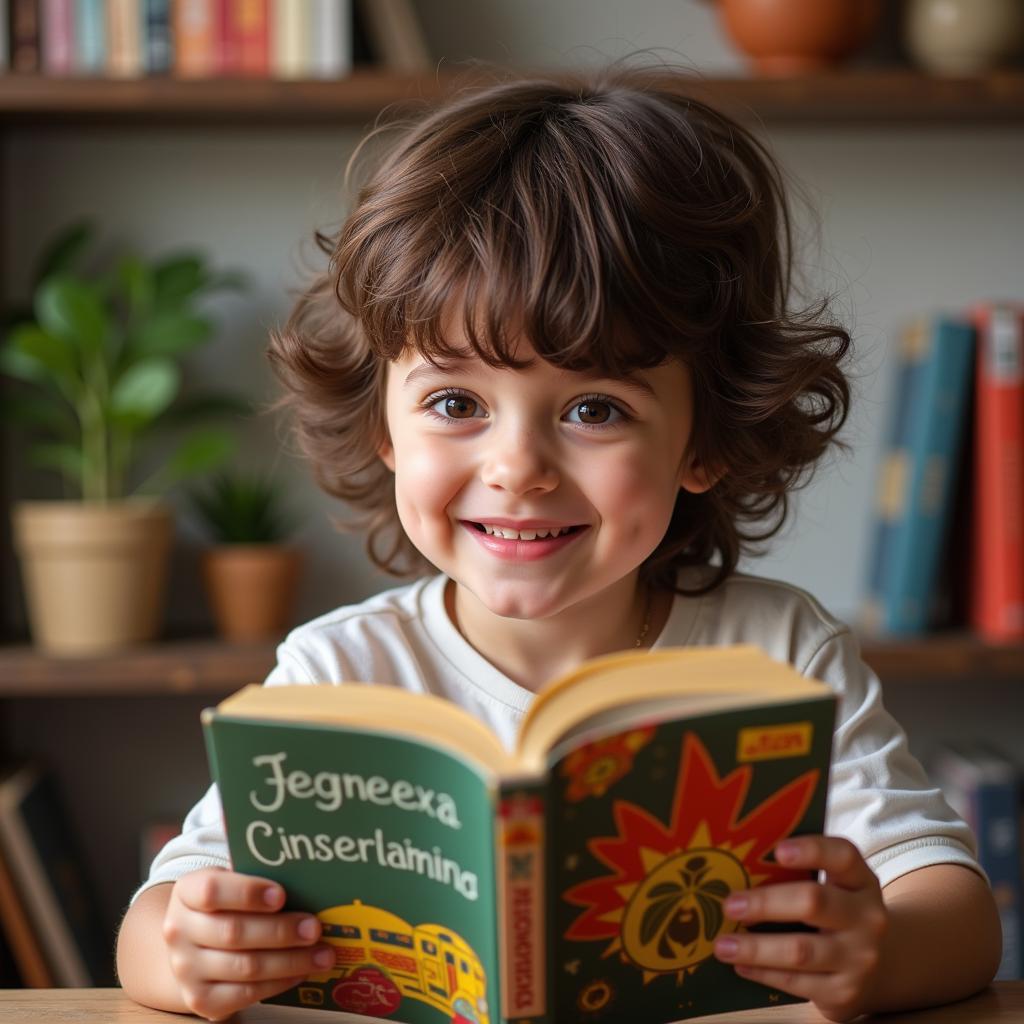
(1003, 1002)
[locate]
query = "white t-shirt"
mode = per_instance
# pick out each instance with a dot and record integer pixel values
(879, 797)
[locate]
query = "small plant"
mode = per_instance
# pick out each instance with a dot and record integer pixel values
(239, 508)
(102, 352)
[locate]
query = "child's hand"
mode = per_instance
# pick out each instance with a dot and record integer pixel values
(229, 944)
(834, 968)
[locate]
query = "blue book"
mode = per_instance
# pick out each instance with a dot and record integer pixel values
(157, 49)
(90, 37)
(983, 787)
(932, 422)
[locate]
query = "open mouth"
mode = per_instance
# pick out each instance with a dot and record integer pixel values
(547, 533)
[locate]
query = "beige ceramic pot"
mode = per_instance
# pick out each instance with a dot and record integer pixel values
(94, 573)
(963, 37)
(252, 588)
(796, 37)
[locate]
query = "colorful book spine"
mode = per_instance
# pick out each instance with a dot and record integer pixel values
(289, 38)
(90, 37)
(330, 38)
(25, 36)
(195, 38)
(997, 591)
(252, 29)
(57, 37)
(944, 347)
(159, 45)
(5, 36)
(124, 32)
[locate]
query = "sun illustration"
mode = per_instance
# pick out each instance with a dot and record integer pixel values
(662, 904)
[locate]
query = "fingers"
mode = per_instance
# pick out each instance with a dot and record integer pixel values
(225, 930)
(793, 951)
(255, 966)
(214, 889)
(836, 999)
(820, 906)
(838, 858)
(218, 1001)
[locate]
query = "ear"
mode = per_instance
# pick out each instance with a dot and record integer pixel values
(386, 453)
(697, 477)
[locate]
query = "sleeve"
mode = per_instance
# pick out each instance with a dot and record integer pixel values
(880, 797)
(203, 843)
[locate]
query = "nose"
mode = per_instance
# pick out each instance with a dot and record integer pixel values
(517, 460)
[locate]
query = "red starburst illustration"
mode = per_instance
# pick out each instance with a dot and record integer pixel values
(705, 817)
(595, 766)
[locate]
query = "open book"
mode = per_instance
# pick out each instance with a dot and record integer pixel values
(579, 877)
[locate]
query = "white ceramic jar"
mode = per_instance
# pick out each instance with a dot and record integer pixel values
(963, 37)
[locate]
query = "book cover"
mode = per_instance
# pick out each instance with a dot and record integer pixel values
(90, 37)
(581, 878)
(997, 591)
(940, 351)
(45, 863)
(983, 787)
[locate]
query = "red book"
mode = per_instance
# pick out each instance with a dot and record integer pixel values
(997, 592)
(249, 19)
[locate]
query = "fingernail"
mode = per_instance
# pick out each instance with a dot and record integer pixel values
(726, 948)
(309, 928)
(323, 957)
(736, 906)
(786, 852)
(272, 896)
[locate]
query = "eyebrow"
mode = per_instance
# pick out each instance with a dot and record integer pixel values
(630, 382)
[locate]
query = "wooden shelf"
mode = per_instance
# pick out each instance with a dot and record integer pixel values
(217, 668)
(867, 96)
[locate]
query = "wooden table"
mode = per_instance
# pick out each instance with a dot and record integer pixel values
(1001, 1004)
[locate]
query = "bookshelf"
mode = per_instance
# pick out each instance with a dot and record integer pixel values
(79, 711)
(867, 97)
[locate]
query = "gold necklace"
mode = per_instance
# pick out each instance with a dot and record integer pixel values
(647, 618)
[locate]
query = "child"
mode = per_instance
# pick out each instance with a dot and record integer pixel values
(553, 359)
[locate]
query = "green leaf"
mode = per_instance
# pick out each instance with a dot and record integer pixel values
(54, 359)
(64, 251)
(199, 453)
(65, 458)
(73, 312)
(136, 282)
(177, 278)
(41, 411)
(145, 390)
(171, 334)
(17, 364)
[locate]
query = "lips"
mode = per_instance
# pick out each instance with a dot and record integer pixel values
(522, 532)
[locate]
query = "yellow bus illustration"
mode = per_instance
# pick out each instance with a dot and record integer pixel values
(381, 959)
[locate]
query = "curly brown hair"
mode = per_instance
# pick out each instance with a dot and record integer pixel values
(620, 223)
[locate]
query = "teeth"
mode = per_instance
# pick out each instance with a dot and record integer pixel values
(501, 531)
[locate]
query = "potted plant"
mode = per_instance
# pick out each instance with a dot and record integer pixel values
(96, 363)
(251, 573)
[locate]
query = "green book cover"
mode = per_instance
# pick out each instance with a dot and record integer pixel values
(581, 878)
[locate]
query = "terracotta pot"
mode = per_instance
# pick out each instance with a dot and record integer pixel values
(94, 573)
(797, 37)
(251, 588)
(963, 37)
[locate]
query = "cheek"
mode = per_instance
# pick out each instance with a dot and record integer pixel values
(638, 496)
(425, 482)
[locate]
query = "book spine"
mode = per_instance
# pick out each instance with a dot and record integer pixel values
(935, 436)
(194, 39)
(57, 37)
(124, 32)
(90, 37)
(891, 492)
(289, 38)
(25, 56)
(331, 38)
(520, 846)
(226, 38)
(997, 591)
(251, 27)
(159, 49)
(5, 36)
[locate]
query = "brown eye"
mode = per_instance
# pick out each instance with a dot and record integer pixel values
(456, 407)
(593, 412)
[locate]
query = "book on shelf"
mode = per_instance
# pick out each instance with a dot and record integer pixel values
(581, 874)
(917, 481)
(21, 939)
(396, 36)
(997, 535)
(983, 786)
(44, 864)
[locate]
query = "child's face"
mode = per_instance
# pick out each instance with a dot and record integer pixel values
(536, 450)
